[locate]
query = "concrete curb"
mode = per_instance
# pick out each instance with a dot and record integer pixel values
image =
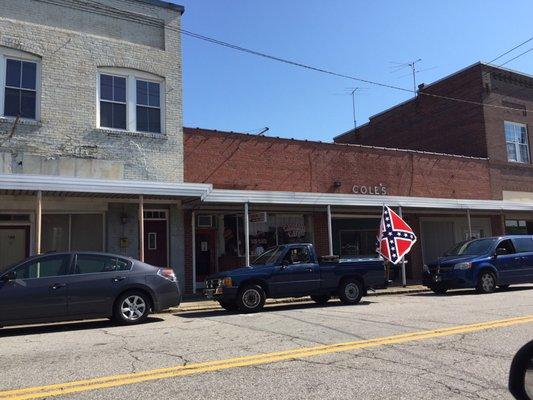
(208, 305)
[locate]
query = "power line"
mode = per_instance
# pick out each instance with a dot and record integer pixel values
(139, 18)
(509, 51)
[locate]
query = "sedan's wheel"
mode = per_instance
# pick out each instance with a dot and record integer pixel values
(486, 282)
(131, 308)
(350, 292)
(322, 299)
(251, 299)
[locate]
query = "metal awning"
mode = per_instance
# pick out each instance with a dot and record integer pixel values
(352, 200)
(20, 184)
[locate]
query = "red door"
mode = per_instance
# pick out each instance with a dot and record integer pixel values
(155, 242)
(205, 253)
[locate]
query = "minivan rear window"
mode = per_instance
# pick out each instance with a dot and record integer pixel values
(524, 245)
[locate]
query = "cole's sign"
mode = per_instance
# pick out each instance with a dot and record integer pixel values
(380, 190)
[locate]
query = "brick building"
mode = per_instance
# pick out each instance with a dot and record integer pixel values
(495, 122)
(91, 129)
(290, 189)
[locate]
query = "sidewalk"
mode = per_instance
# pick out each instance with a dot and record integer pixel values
(198, 303)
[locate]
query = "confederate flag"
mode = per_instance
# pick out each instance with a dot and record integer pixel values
(395, 237)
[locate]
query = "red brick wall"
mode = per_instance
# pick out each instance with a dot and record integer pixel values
(431, 123)
(238, 161)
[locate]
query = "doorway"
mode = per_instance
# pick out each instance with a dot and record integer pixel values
(14, 245)
(205, 253)
(156, 238)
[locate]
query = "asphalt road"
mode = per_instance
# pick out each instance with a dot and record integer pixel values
(462, 362)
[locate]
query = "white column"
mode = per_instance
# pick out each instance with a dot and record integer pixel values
(469, 224)
(330, 232)
(141, 228)
(193, 245)
(404, 278)
(247, 233)
(38, 222)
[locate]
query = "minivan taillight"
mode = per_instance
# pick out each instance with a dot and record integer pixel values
(167, 273)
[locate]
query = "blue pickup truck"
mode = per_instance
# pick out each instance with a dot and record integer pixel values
(294, 270)
(483, 264)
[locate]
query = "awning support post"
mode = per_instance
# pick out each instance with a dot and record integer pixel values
(404, 278)
(247, 233)
(38, 222)
(141, 228)
(193, 245)
(330, 232)
(469, 224)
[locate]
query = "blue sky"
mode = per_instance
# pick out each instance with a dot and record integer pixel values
(229, 90)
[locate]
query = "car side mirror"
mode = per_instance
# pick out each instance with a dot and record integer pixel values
(10, 276)
(285, 263)
(501, 252)
(521, 373)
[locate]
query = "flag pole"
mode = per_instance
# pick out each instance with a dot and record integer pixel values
(404, 279)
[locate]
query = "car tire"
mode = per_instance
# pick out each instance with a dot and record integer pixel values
(131, 308)
(503, 287)
(439, 289)
(350, 291)
(322, 299)
(486, 282)
(251, 299)
(228, 305)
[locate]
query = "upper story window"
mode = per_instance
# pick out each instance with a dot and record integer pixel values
(130, 100)
(517, 142)
(19, 84)
(112, 101)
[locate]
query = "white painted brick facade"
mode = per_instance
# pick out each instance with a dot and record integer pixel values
(72, 44)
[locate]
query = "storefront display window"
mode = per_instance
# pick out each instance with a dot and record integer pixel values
(265, 232)
(72, 232)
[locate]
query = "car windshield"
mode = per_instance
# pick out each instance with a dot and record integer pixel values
(270, 256)
(471, 247)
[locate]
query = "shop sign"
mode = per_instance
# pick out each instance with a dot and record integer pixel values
(259, 217)
(380, 190)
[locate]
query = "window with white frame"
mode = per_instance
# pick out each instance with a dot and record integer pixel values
(112, 101)
(19, 84)
(130, 100)
(517, 142)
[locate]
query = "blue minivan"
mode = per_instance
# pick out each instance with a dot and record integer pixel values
(483, 264)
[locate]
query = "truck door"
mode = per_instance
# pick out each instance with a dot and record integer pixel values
(297, 275)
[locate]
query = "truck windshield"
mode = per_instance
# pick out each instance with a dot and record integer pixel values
(270, 256)
(471, 248)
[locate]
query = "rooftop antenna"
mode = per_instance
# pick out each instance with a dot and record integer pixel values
(412, 65)
(263, 131)
(352, 91)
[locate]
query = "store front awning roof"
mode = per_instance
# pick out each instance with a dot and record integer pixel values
(20, 184)
(24, 184)
(352, 200)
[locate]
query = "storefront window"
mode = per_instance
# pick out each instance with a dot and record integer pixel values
(72, 232)
(266, 230)
(517, 227)
(355, 237)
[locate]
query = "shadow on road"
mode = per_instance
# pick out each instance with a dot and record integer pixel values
(268, 308)
(469, 292)
(66, 327)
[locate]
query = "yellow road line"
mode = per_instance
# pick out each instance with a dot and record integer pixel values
(267, 358)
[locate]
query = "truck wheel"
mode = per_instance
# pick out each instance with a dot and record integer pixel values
(350, 291)
(486, 282)
(251, 298)
(439, 289)
(322, 299)
(228, 305)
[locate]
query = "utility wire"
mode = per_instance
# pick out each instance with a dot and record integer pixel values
(95, 7)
